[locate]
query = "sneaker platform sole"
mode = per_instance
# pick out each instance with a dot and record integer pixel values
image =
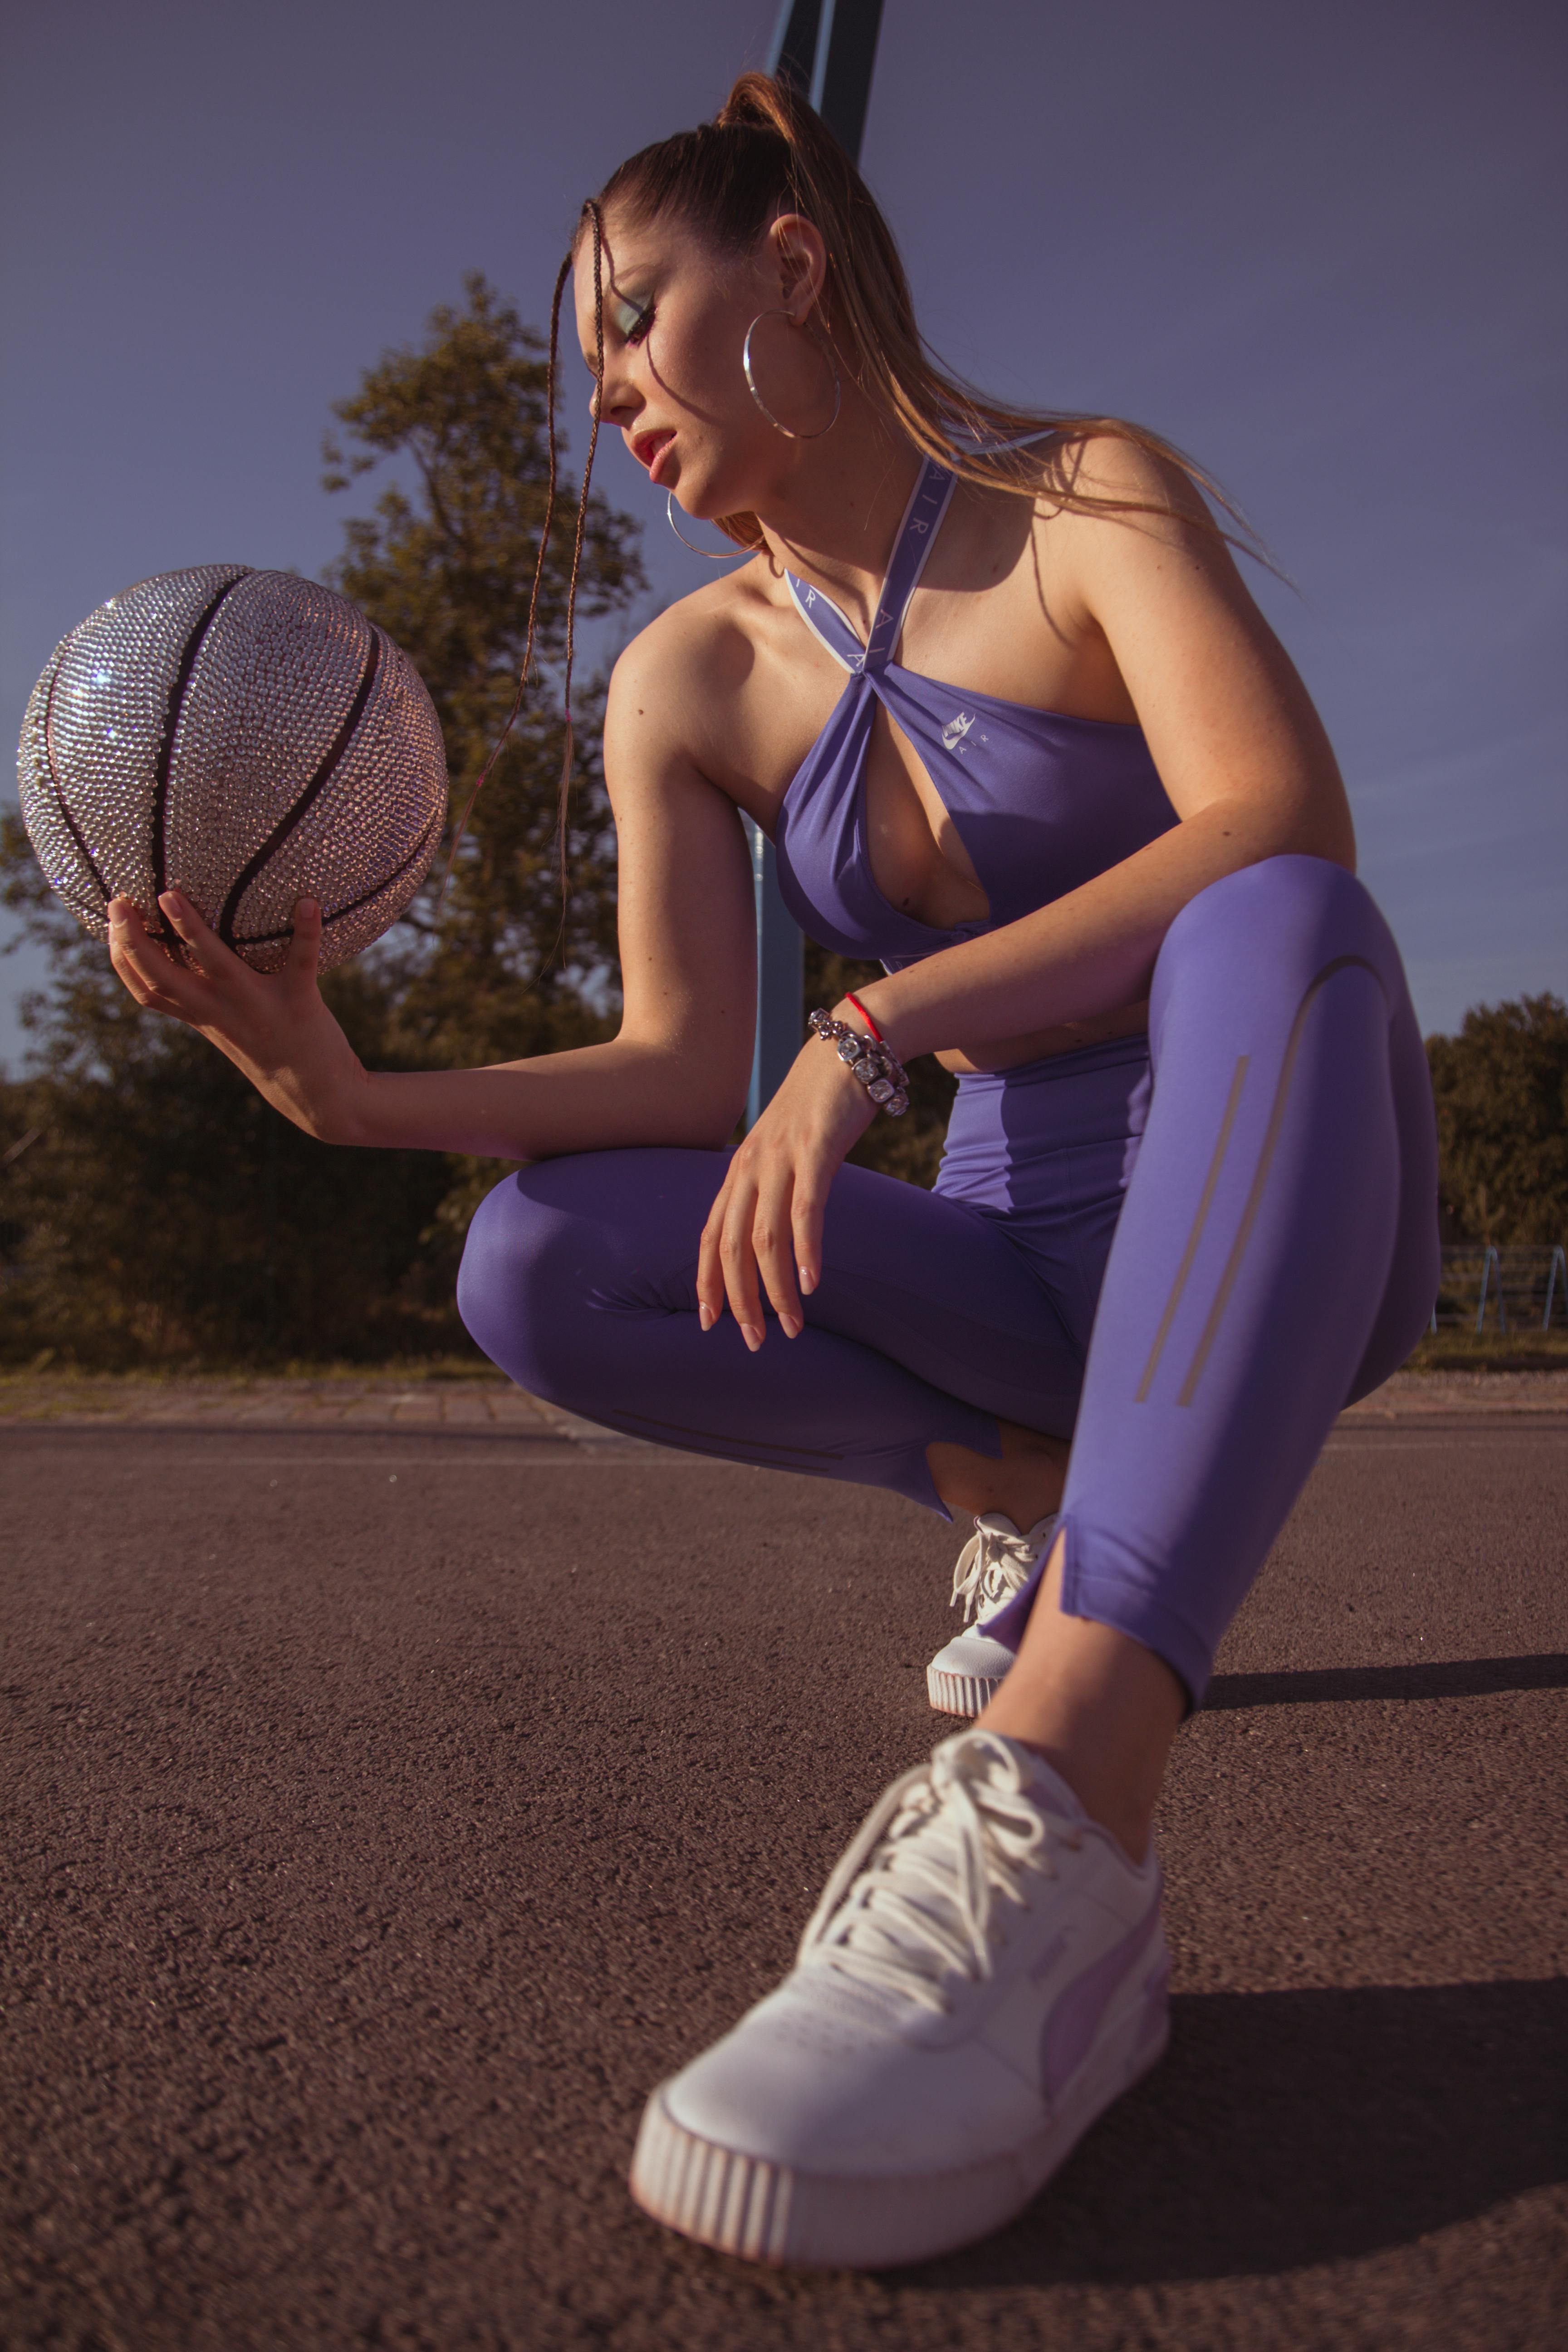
(766, 2212)
(951, 1693)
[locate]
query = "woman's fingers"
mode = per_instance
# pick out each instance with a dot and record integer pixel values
(148, 970)
(772, 1243)
(808, 1208)
(122, 956)
(304, 945)
(763, 1233)
(710, 1273)
(768, 1218)
(737, 1264)
(726, 1264)
(147, 994)
(747, 1245)
(216, 961)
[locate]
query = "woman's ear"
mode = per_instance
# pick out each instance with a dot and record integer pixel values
(797, 257)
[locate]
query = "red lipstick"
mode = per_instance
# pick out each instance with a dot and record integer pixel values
(650, 450)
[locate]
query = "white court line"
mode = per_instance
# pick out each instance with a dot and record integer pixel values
(669, 1457)
(1356, 1441)
(660, 1459)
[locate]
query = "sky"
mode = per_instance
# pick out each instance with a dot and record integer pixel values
(1319, 249)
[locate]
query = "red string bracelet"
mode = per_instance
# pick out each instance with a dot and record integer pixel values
(850, 998)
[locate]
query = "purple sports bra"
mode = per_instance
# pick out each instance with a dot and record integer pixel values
(1041, 802)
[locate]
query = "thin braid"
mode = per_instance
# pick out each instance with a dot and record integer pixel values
(522, 678)
(592, 209)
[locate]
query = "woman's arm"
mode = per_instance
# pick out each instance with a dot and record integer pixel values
(1241, 751)
(1247, 767)
(676, 1073)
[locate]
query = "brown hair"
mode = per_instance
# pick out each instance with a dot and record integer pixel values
(768, 152)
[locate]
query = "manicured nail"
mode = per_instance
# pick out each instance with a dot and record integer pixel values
(753, 1337)
(806, 1279)
(791, 1326)
(705, 1316)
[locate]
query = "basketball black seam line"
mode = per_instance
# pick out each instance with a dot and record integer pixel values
(265, 939)
(53, 774)
(322, 777)
(166, 759)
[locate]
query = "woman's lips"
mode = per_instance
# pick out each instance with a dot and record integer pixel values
(651, 449)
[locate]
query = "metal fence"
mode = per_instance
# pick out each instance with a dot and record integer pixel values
(1519, 1289)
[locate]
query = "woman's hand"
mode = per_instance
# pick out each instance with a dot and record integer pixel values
(767, 1219)
(273, 1026)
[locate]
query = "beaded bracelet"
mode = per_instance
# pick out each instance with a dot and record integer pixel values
(870, 1060)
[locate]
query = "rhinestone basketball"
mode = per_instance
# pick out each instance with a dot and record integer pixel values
(248, 735)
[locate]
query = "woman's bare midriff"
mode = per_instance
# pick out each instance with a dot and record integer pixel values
(1008, 1052)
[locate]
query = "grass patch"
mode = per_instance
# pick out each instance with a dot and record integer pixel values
(1491, 1351)
(64, 1387)
(60, 1365)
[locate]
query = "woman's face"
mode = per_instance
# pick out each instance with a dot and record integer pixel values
(675, 316)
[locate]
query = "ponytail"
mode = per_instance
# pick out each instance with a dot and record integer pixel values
(767, 152)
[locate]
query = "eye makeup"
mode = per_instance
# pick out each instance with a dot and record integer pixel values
(632, 320)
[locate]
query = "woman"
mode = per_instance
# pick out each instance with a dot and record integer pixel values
(1019, 732)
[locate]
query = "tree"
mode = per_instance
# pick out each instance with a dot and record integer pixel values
(1501, 1090)
(167, 1210)
(447, 574)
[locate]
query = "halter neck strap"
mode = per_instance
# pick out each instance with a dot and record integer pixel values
(929, 502)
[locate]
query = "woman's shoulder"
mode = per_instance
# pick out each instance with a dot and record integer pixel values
(685, 678)
(705, 644)
(1093, 467)
(1115, 500)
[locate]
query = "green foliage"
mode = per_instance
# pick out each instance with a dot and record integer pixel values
(177, 1216)
(447, 573)
(1501, 1090)
(166, 1212)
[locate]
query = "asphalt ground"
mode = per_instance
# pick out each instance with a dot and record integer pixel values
(389, 1811)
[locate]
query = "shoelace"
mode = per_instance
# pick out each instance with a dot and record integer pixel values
(996, 1563)
(914, 1901)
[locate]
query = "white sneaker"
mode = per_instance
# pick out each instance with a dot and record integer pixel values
(994, 1568)
(985, 1973)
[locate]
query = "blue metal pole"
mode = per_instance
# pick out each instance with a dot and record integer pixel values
(781, 979)
(1488, 1266)
(828, 49)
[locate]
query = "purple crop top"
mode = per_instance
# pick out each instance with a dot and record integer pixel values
(1041, 802)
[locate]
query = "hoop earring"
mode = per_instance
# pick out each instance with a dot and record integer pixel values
(712, 554)
(761, 403)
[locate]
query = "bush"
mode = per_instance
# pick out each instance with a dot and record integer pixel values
(1501, 1090)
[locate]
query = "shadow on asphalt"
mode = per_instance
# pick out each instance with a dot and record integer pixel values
(1445, 1678)
(1287, 2129)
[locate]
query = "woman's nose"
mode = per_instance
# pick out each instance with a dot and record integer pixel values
(612, 403)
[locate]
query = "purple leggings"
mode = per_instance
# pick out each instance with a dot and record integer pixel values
(1187, 1253)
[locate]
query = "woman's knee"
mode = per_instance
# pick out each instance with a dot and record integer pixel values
(556, 1245)
(518, 1274)
(1289, 890)
(1290, 916)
